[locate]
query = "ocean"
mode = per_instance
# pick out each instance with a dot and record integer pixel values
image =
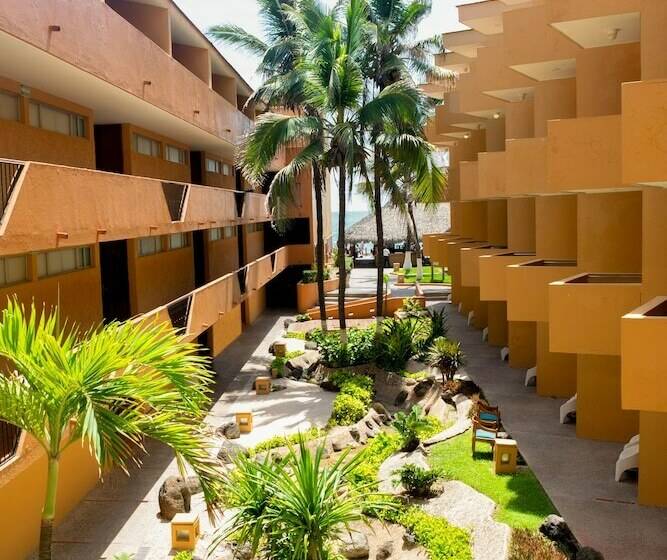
(351, 218)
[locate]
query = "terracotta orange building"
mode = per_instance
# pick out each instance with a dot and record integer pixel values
(558, 245)
(119, 125)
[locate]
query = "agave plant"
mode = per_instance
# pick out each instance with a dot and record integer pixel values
(409, 426)
(447, 356)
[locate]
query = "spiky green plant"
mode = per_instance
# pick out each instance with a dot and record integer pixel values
(107, 389)
(447, 356)
(409, 426)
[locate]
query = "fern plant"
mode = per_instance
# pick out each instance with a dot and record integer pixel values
(410, 425)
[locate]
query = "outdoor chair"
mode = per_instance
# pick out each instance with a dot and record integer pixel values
(485, 432)
(487, 413)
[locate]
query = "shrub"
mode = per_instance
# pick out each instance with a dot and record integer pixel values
(437, 325)
(282, 441)
(302, 317)
(360, 347)
(417, 480)
(183, 555)
(295, 334)
(346, 410)
(412, 306)
(339, 378)
(439, 538)
(294, 354)
(358, 391)
(378, 450)
(409, 426)
(430, 427)
(399, 341)
(279, 364)
(310, 276)
(527, 545)
(447, 356)
(418, 375)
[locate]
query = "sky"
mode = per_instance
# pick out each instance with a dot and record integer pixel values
(205, 13)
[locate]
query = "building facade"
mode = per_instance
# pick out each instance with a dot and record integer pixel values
(558, 245)
(119, 124)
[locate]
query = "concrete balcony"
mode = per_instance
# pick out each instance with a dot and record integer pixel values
(485, 17)
(52, 206)
(584, 154)
(492, 274)
(470, 263)
(465, 42)
(469, 180)
(585, 312)
(528, 287)
(454, 62)
(526, 166)
(644, 357)
(644, 132)
(492, 172)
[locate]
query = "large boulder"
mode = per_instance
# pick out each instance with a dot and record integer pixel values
(557, 530)
(230, 430)
(384, 551)
(340, 438)
(354, 544)
(230, 450)
(303, 365)
(174, 497)
(423, 387)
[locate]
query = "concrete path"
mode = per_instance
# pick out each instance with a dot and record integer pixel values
(120, 515)
(577, 474)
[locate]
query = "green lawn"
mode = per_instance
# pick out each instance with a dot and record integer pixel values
(522, 503)
(427, 275)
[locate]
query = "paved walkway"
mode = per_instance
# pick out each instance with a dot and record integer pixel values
(121, 514)
(577, 474)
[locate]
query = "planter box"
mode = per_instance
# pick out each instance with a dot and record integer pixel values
(492, 276)
(306, 294)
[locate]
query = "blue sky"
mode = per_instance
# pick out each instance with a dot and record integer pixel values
(245, 13)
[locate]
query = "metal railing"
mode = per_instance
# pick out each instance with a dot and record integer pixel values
(10, 171)
(9, 441)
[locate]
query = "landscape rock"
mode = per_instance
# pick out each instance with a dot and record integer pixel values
(230, 450)
(194, 485)
(380, 408)
(409, 539)
(174, 497)
(288, 321)
(423, 387)
(557, 530)
(401, 397)
(354, 544)
(310, 345)
(358, 435)
(303, 365)
(384, 551)
(340, 438)
(230, 430)
(588, 553)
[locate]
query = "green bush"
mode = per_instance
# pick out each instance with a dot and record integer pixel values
(416, 480)
(295, 334)
(302, 318)
(347, 410)
(399, 341)
(526, 545)
(447, 356)
(360, 347)
(279, 364)
(439, 538)
(183, 555)
(410, 426)
(282, 441)
(430, 427)
(310, 276)
(355, 389)
(383, 446)
(412, 306)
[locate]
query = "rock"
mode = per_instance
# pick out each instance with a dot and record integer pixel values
(409, 539)
(173, 497)
(243, 552)
(287, 322)
(340, 438)
(423, 387)
(384, 551)
(401, 397)
(194, 485)
(557, 530)
(380, 408)
(373, 428)
(310, 345)
(358, 435)
(230, 430)
(588, 553)
(303, 365)
(354, 544)
(229, 451)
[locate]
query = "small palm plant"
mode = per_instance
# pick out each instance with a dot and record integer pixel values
(107, 389)
(295, 508)
(447, 356)
(410, 425)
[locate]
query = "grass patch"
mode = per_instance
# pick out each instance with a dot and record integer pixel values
(300, 335)
(282, 441)
(522, 503)
(441, 277)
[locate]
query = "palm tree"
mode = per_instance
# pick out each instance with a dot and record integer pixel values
(283, 88)
(447, 356)
(107, 389)
(393, 56)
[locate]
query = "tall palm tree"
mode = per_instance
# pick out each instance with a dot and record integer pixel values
(394, 56)
(107, 389)
(283, 88)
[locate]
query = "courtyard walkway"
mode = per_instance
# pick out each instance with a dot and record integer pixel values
(120, 515)
(577, 474)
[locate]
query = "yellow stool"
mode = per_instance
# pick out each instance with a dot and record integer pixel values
(401, 278)
(279, 349)
(184, 531)
(505, 453)
(244, 421)
(263, 385)
(396, 267)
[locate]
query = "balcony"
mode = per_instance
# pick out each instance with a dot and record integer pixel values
(469, 180)
(52, 206)
(465, 42)
(585, 312)
(470, 263)
(453, 62)
(526, 166)
(584, 154)
(485, 17)
(644, 132)
(491, 175)
(528, 287)
(644, 357)
(492, 274)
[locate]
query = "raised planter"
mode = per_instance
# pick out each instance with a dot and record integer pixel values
(306, 294)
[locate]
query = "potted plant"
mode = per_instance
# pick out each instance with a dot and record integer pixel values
(447, 356)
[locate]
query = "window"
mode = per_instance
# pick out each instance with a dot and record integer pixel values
(13, 270)
(63, 260)
(230, 231)
(145, 146)
(150, 245)
(253, 228)
(9, 106)
(215, 234)
(178, 240)
(174, 154)
(213, 165)
(56, 120)
(225, 169)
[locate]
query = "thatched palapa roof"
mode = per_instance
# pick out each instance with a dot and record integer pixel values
(431, 219)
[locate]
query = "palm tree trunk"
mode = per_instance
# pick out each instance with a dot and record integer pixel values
(418, 252)
(379, 251)
(49, 511)
(318, 185)
(342, 272)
